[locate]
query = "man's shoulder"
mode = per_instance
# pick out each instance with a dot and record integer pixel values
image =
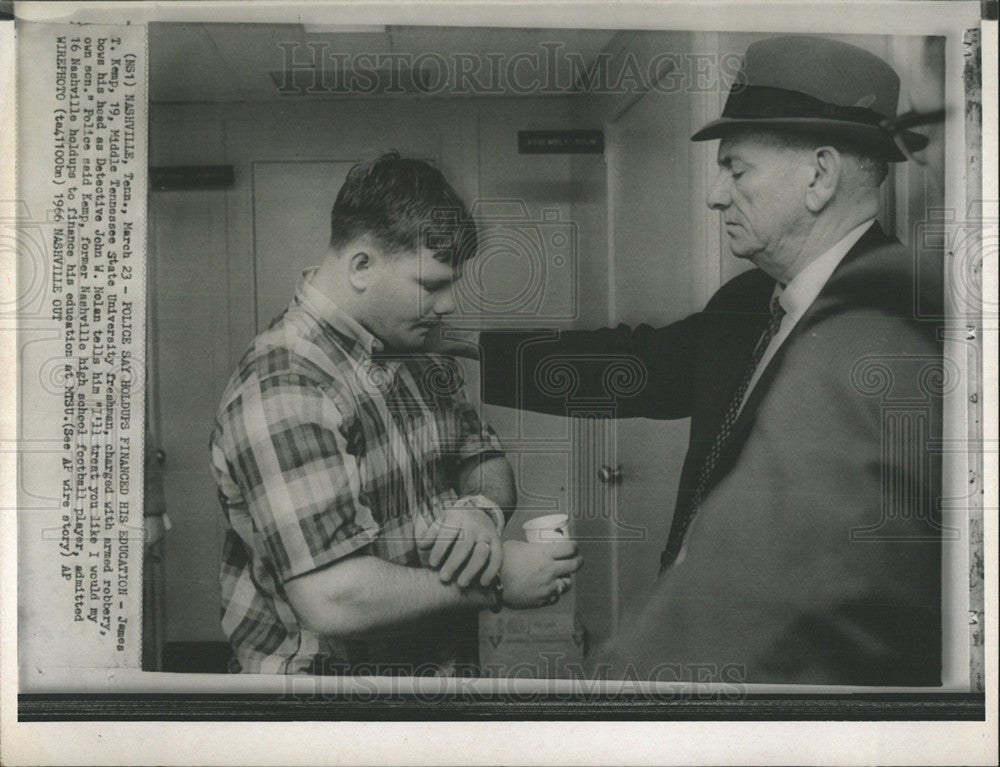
(291, 352)
(883, 276)
(743, 292)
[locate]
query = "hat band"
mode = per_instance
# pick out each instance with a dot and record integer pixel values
(759, 102)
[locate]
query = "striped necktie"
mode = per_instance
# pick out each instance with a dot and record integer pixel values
(673, 549)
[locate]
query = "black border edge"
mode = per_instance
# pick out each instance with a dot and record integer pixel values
(507, 707)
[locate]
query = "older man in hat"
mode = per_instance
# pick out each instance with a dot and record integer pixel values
(805, 542)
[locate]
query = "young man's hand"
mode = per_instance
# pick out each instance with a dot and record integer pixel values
(464, 544)
(537, 574)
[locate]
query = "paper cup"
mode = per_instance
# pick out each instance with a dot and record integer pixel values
(547, 529)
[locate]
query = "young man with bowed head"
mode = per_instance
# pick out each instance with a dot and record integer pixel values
(364, 497)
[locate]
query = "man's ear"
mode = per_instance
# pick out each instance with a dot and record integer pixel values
(827, 167)
(359, 269)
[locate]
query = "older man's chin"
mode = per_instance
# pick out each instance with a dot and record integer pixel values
(741, 253)
(742, 250)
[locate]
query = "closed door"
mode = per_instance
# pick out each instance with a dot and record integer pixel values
(657, 232)
(651, 244)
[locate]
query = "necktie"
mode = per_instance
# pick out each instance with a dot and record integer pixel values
(689, 511)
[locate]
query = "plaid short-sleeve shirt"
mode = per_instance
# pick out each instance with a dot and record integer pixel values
(324, 445)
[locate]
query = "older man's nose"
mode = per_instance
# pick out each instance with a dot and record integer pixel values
(718, 197)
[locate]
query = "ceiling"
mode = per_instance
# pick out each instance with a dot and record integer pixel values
(247, 62)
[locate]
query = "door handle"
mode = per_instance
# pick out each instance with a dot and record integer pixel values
(610, 476)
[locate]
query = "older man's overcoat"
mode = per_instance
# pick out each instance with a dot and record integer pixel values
(815, 556)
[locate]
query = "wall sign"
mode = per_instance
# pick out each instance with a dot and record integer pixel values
(560, 142)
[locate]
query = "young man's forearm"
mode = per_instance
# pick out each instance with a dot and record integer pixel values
(366, 595)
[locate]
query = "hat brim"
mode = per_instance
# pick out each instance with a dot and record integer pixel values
(868, 137)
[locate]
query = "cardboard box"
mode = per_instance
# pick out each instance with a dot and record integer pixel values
(530, 644)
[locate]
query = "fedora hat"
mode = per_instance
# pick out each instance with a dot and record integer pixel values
(821, 87)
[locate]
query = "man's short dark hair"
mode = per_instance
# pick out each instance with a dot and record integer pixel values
(404, 205)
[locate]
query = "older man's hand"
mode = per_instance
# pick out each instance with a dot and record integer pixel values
(537, 574)
(464, 544)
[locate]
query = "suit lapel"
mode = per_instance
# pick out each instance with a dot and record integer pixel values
(870, 240)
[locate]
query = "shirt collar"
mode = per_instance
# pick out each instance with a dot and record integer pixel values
(799, 294)
(322, 308)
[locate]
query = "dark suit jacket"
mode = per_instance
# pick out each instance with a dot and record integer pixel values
(815, 555)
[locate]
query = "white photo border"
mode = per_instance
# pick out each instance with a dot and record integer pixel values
(111, 697)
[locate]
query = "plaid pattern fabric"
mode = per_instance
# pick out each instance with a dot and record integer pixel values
(324, 445)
